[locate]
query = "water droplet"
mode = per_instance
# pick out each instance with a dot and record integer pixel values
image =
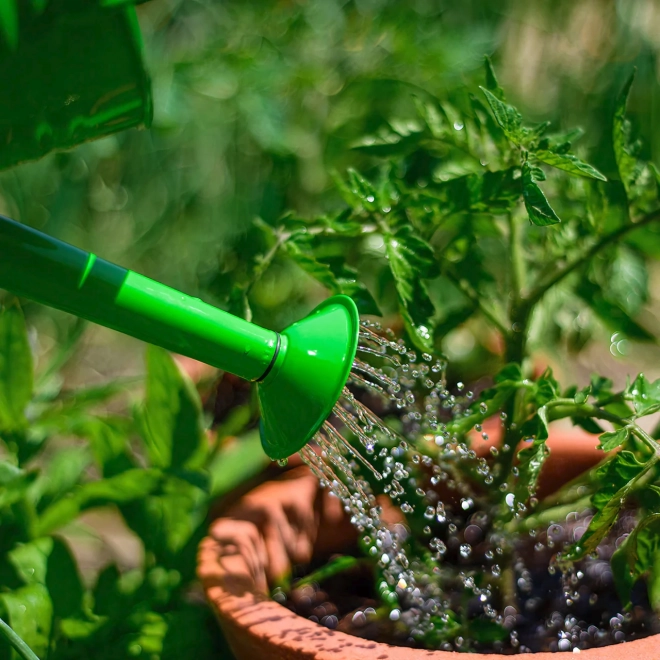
(465, 550)
(283, 462)
(458, 126)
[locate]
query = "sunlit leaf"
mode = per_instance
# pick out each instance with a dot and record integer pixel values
(29, 612)
(172, 421)
(509, 119)
(569, 163)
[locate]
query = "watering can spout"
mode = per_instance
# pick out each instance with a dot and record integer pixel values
(300, 372)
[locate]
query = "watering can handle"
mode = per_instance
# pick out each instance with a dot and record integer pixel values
(36, 266)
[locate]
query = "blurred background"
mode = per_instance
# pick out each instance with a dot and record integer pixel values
(257, 103)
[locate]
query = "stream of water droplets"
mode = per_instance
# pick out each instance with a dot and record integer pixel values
(414, 460)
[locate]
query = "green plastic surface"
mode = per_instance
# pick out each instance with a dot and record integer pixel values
(309, 375)
(303, 369)
(70, 71)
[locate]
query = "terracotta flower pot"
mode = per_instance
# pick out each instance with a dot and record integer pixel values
(286, 521)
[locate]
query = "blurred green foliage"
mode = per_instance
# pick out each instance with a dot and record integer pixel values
(158, 470)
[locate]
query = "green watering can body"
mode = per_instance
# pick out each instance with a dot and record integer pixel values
(70, 71)
(300, 372)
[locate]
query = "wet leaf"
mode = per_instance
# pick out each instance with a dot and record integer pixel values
(29, 612)
(411, 260)
(645, 395)
(610, 441)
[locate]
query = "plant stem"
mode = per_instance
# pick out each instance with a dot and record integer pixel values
(540, 290)
(519, 309)
(17, 643)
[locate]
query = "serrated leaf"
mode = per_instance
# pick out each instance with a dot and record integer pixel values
(172, 423)
(569, 163)
(625, 160)
(616, 479)
(411, 260)
(638, 556)
(494, 192)
(508, 118)
(16, 379)
(614, 439)
(538, 208)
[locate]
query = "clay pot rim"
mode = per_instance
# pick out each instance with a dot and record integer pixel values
(267, 624)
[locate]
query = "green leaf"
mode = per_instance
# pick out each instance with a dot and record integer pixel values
(492, 83)
(411, 260)
(616, 479)
(625, 160)
(29, 612)
(611, 313)
(508, 118)
(583, 395)
(645, 395)
(362, 190)
(530, 462)
(172, 423)
(15, 369)
(14, 483)
(610, 441)
(510, 372)
(125, 487)
(63, 581)
(486, 631)
(639, 556)
(494, 192)
(335, 276)
(30, 559)
(628, 282)
(60, 474)
(236, 462)
(569, 163)
(539, 210)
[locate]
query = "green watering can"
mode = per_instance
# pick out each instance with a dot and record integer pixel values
(300, 372)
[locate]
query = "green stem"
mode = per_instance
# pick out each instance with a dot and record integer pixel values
(540, 290)
(519, 310)
(17, 643)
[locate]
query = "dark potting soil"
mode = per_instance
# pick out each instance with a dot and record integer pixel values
(572, 612)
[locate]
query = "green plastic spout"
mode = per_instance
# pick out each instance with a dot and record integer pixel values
(301, 372)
